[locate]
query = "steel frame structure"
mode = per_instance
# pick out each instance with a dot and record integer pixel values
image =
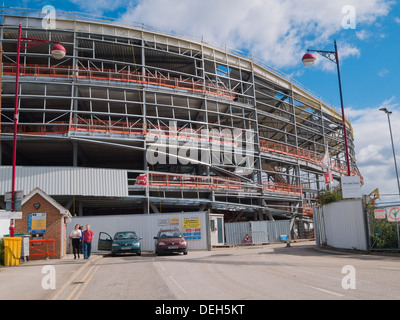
(96, 107)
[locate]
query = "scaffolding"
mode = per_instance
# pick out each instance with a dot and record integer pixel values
(122, 90)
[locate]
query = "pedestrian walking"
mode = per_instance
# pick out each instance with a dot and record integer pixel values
(87, 242)
(76, 240)
(81, 242)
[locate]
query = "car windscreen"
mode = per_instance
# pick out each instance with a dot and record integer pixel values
(170, 234)
(125, 236)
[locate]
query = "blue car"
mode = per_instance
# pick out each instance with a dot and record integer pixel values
(123, 242)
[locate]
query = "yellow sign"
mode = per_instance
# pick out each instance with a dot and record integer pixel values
(191, 223)
(37, 222)
(173, 221)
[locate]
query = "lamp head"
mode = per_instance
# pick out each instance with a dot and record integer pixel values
(58, 51)
(309, 59)
(385, 110)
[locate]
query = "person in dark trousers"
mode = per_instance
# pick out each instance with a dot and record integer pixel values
(87, 242)
(76, 235)
(81, 242)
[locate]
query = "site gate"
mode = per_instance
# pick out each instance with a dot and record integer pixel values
(256, 232)
(358, 224)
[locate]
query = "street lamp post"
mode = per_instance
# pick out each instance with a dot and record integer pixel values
(57, 52)
(391, 137)
(395, 166)
(308, 60)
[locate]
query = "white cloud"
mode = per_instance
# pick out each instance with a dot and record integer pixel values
(383, 72)
(373, 145)
(277, 31)
(363, 34)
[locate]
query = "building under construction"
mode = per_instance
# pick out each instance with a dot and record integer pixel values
(88, 123)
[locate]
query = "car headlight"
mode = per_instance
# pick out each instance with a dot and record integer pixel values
(161, 243)
(136, 244)
(115, 245)
(183, 242)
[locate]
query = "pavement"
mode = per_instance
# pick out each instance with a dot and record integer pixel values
(42, 279)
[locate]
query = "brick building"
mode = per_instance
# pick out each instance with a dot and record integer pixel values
(52, 222)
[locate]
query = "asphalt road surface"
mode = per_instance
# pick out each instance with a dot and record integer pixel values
(268, 272)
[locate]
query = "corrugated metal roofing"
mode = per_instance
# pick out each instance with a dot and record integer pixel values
(67, 181)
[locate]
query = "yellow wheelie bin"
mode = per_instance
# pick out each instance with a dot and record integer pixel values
(12, 251)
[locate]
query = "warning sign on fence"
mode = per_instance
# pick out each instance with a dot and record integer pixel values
(393, 214)
(247, 239)
(380, 213)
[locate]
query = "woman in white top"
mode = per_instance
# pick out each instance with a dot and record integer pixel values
(76, 235)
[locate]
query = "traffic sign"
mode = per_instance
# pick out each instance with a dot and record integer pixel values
(18, 195)
(380, 213)
(247, 239)
(17, 201)
(393, 214)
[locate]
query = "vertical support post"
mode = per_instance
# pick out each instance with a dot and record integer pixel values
(343, 116)
(12, 226)
(1, 77)
(397, 174)
(394, 154)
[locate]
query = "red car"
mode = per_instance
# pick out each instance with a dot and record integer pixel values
(170, 240)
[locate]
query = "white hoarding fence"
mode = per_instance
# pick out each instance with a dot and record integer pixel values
(194, 225)
(256, 232)
(342, 225)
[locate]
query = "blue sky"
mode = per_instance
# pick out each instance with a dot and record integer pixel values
(279, 32)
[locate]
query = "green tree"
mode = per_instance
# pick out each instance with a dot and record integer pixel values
(384, 234)
(328, 196)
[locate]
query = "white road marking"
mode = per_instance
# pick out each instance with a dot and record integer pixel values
(326, 291)
(177, 284)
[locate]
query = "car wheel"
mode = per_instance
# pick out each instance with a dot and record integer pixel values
(139, 253)
(185, 253)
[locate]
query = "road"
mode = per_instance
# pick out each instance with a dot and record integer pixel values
(267, 272)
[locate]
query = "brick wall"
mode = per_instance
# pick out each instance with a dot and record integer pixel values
(55, 227)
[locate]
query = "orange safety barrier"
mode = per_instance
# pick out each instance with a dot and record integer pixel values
(105, 126)
(281, 187)
(308, 210)
(159, 180)
(36, 248)
(123, 75)
(290, 151)
(56, 127)
(306, 155)
(137, 128)
(188, 181)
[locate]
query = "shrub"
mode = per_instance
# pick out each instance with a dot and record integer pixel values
(383, 234)
(328, 196)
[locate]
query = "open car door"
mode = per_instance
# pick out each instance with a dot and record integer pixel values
(105, 242)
